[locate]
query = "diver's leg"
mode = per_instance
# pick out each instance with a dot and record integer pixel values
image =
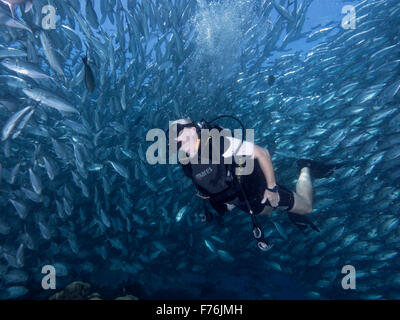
(303, 196)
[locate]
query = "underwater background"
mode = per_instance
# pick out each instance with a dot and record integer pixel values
(76, 190)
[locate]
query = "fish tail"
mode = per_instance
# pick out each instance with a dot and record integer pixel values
(28, 6)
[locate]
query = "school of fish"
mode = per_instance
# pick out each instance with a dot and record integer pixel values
(77, 101)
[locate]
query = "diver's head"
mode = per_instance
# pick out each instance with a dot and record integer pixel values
(186, 136)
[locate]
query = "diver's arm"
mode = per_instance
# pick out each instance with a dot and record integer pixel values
(264, 159)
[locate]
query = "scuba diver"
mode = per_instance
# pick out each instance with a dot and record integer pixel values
(255, 193)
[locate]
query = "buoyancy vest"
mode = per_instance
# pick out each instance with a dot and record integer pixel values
(214, 181)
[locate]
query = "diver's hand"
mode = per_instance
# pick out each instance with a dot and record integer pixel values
(273, 198)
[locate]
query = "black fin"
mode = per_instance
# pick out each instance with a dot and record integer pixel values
(302, 222)
(318, 169)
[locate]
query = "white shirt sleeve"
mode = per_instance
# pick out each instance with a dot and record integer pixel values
(246, 149)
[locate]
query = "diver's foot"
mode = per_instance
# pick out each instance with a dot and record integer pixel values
(318, 169)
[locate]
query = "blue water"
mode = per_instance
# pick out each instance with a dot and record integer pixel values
(335, 99)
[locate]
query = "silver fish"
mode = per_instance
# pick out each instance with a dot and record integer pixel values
(24, 68)
(12, 122)
(122, 171)
(50, 53)
(35, 182)
(50, 99)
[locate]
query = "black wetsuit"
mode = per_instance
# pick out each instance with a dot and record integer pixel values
(255, 186)
(211, 180)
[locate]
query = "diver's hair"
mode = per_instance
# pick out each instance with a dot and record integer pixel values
(182, 121)
(173, 124)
